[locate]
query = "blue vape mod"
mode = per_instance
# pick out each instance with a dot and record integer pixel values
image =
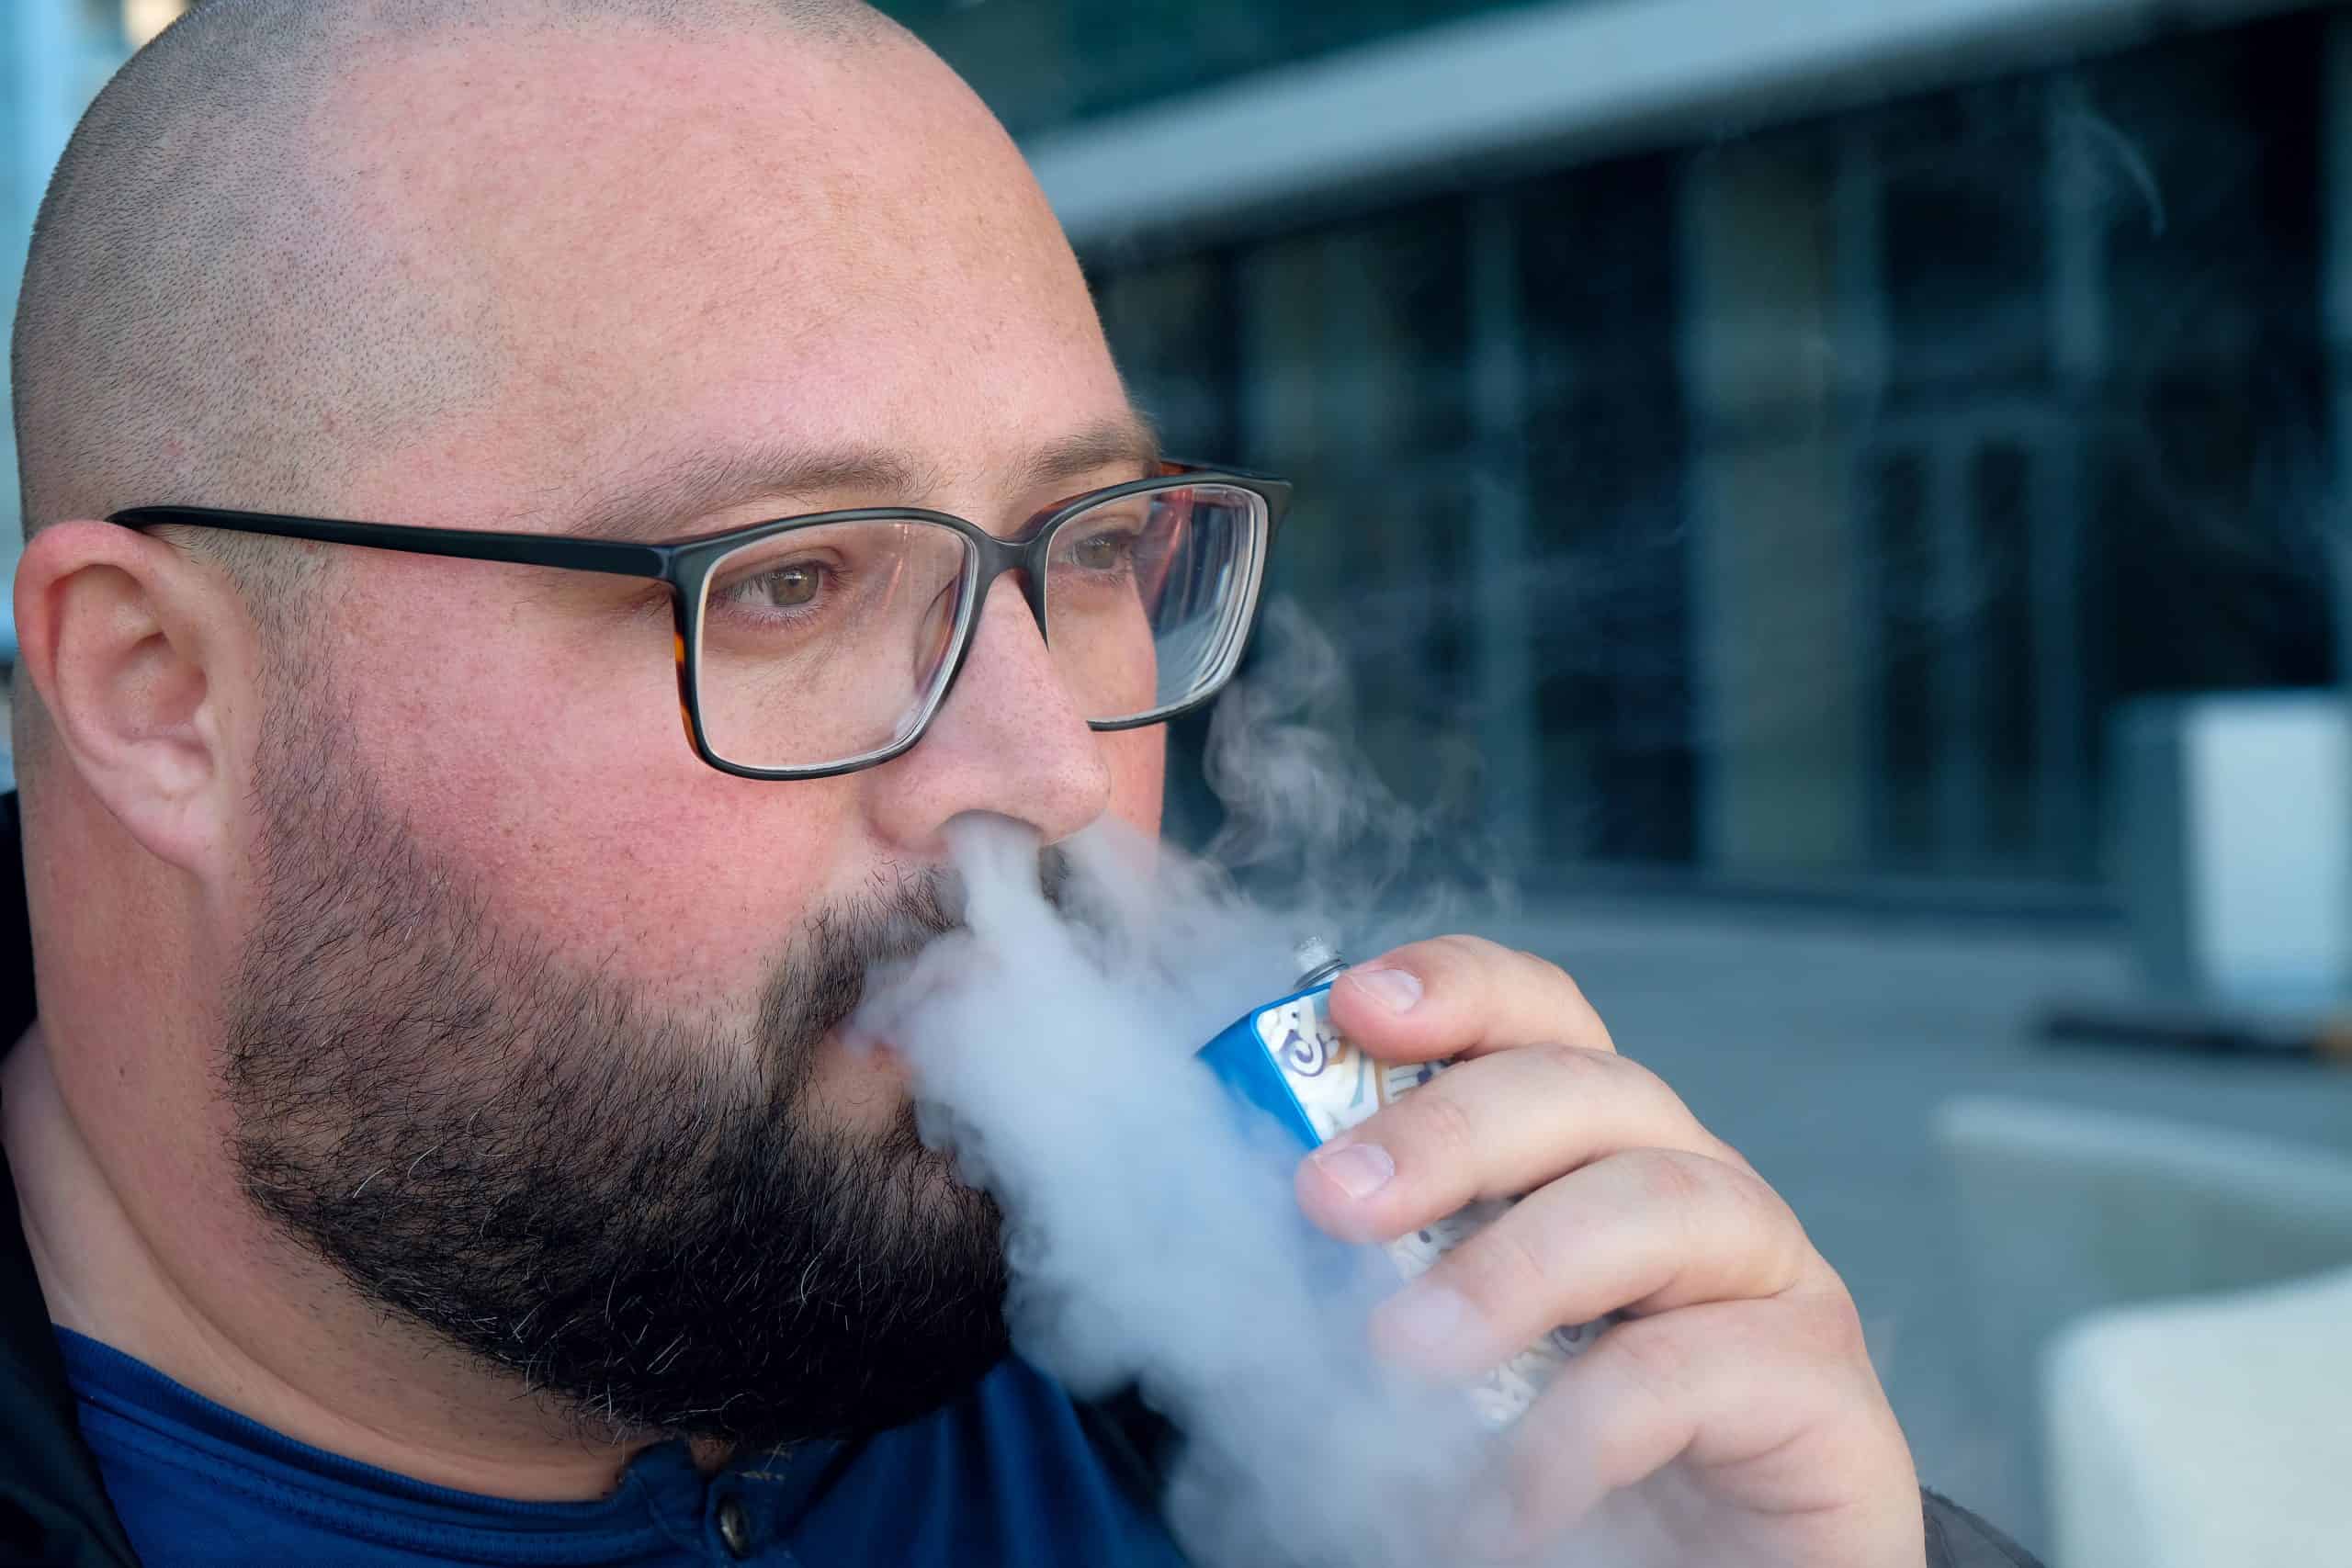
(1286, 1060)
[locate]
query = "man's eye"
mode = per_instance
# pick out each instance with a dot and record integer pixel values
(1104, 552)
(785, 588)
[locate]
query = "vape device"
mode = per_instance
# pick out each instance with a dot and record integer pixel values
(1285, 1059)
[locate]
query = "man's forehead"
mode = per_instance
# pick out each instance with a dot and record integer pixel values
(507, 136)
(722, 277)
(636, 194)
(678, 493)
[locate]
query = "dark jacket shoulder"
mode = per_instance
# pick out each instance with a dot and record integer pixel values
(53, 1507)
(1958, 1538)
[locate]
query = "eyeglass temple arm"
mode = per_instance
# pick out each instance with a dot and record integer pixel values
(519, 549)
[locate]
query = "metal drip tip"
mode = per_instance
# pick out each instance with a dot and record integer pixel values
(1318, 961)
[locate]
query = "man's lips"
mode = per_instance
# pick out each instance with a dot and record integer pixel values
(867, 1047)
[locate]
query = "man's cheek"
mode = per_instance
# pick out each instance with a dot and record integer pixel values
(702, 889)
(608, 844)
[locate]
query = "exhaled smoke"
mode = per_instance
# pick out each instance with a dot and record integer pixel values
(1312, 830)
(1152, 1231)
(1151, 1226)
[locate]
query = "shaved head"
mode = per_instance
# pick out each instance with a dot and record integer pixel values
(216, 308)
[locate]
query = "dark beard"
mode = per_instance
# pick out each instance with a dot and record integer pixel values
(625, 1208)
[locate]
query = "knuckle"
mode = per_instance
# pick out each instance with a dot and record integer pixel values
(1833, 1328)
(1575, 1069)
(1438, 1122)
(1672, 1180)
(1592, 1071)
(1501, 1272)
(1460, 954)
(1653, 1358)
(1758, 1203)
(1726, 1222)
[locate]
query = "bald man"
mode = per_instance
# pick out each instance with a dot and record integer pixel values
(436, 1143)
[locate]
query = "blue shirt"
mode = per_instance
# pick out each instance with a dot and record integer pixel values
(1005, 1476)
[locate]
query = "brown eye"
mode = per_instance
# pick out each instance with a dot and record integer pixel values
(791, 586)
(786, 587)
(1104, 552)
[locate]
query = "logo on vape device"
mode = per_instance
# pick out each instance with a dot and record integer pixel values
(1336, 1085)
(1304, 1053)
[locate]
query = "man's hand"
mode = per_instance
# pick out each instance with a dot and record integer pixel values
(1733, 1418)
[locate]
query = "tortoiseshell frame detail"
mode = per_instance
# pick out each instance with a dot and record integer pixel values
(686, 564)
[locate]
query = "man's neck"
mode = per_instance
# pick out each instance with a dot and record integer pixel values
(244, 1322)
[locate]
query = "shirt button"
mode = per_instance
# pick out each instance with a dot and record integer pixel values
(735, 1528)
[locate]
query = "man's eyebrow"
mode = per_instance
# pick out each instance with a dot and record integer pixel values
(1130, 443)
(666, 498)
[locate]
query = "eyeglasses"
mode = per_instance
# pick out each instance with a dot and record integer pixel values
(813, 646)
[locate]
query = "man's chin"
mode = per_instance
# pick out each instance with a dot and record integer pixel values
(859, 1345)
(945, 1377)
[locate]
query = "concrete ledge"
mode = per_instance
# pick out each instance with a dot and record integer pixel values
(2204, 1433)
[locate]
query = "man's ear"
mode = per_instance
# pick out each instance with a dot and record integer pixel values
(135, 651)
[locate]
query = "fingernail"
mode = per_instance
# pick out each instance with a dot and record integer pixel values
(1395, 989)
(1360, 1170)
(1426, 1317)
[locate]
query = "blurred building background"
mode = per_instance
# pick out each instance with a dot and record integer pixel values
(1776, 438)
(1759, 446)
(1767, 467)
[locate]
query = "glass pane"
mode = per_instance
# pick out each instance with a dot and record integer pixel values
(1145, 594)
(825, 644)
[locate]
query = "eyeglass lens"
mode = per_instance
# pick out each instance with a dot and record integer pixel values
(823, 645)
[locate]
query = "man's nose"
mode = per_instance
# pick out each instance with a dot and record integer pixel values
(1008, 740)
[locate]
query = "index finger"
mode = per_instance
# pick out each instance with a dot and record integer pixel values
(1461, 996)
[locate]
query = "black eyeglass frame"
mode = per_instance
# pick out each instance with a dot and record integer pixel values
(685, 565)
